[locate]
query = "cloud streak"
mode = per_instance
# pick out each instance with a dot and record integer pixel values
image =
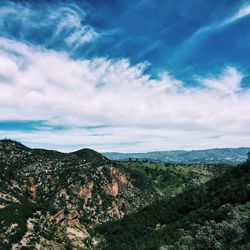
(243, 12)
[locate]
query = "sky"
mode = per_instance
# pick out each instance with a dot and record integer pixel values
(125, 75)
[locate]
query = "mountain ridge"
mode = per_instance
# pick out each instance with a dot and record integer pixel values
(226, 155)
(212, 155)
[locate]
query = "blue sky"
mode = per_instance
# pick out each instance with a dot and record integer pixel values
(125, 75)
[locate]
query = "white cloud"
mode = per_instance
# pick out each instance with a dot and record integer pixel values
(227, 83)
(241, 13)
(140, 113)
(82, 36)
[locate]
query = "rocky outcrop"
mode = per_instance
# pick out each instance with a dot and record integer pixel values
(32, 187)
(61, 196)
(8, 197)
(112, 188)
(118, 175)
(85, 192)
(58, 217)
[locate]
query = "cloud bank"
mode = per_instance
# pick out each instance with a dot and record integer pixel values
(111, 105)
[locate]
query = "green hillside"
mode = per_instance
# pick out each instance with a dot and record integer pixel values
(215, 215)
(171, 179)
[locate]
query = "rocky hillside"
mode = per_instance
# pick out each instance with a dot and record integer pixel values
(53, 200)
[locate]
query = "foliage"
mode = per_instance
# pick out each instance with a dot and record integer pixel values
(171, 179)
(215, 215)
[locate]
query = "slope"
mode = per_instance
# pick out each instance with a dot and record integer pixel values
(172, 178)
(215, 215)
(52, 200)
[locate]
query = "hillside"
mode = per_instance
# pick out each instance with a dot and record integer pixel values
(52, 200)
(172, 179)
(232, 156)
(215, 215)
(83, 200)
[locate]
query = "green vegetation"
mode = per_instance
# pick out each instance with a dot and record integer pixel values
(82, 199)
(172, 179)
(215, 215)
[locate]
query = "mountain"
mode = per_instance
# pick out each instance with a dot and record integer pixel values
(82, 200)
(53, 200)
(217, 155)
(214, 215)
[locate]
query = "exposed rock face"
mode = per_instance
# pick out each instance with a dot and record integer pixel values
(76, 236)
(32, 187)
(118, 175)
(58, 198)
(85, 192)
(8, 197)
(59, 217)
(112, 189)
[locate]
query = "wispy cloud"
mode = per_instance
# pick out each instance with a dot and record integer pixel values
(138, 112)
(227, 83)
(242, 12)
(202, 42)
(55, 26)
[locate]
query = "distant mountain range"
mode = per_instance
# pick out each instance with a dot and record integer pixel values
(216, 155)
